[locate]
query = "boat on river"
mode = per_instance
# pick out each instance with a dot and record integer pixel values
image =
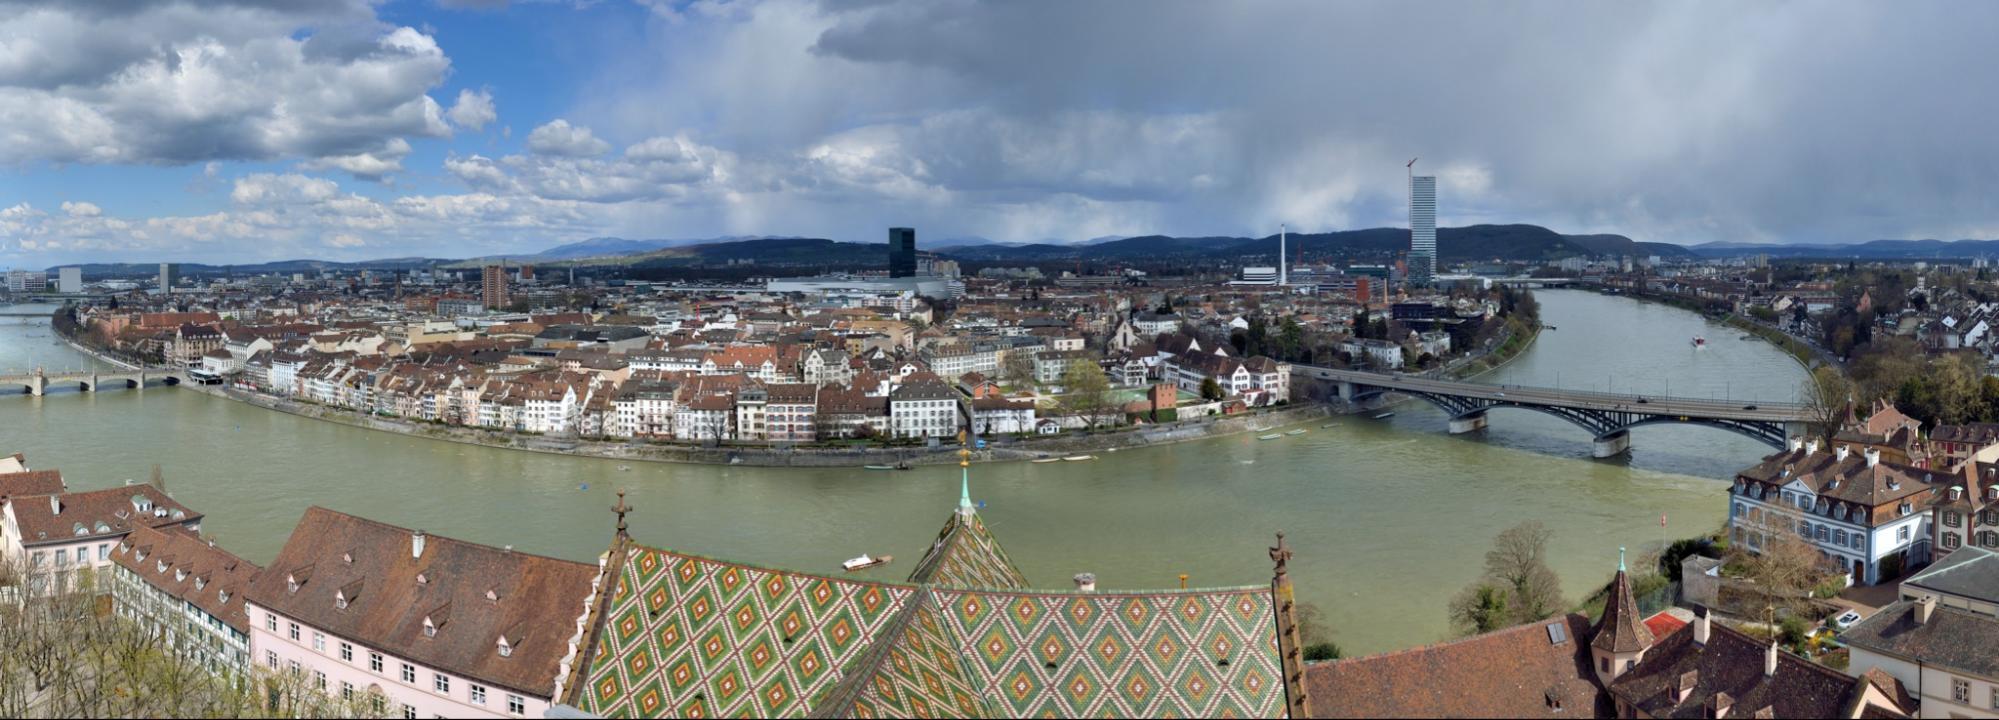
(1299, 431)
(1699, 342)
(1272, 436)
(864, 562)
(1079, 458)
(1384, 415)
(897, 466)
(1046, 460)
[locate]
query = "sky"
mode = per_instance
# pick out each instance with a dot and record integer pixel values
(240, 131)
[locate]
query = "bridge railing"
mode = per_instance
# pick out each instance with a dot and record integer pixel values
(1595, 394)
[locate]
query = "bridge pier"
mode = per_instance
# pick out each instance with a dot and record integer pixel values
(38, 384)
(1612, 445)
(1469, 423)
(93, 383)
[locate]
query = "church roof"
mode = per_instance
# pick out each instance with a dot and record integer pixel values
(1621, 630)
(965, 554)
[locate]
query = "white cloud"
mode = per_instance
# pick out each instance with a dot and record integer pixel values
(81, 209)
(373, 165)
(559, 138)
(190, 82)
(473, 110)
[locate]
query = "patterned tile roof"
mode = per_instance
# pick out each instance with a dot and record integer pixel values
(692, 637)
(687, 636)
(966, 555)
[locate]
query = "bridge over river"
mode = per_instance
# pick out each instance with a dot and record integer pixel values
(1608, 416)
(40, 381)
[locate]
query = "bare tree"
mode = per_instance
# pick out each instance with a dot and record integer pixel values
(1827, 397)
(1517, 585)
(1774, 554)
(1086, 391)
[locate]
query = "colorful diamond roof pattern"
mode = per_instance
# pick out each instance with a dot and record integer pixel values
(1206, 653)
(692, 637)
(966, 555)
(685, 636)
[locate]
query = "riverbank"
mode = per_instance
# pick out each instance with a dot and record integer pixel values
(1807, 356)
(765, 455)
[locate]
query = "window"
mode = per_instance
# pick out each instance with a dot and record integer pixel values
(271, 622)
(319, 642)
(271, 659)
(346, 690)
(516, 705)
(1821, 533)
(409, 673)
(375, 661)
(441, 683)
(1839, 538)
(319, 678)
(294, 631)
(1952, 519)
(478, 694)
(409, 712)
(1960, 690)
(1902, 534)
(291, 666)
(346, 652)
(1995, 697)
(103, 551)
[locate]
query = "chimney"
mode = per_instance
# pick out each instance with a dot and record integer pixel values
(1839, 453)
(1873, 456)
(1701, 627)
(1770, 660)
(416, 544)
(1811, 446)
(1797, 443)
(1086, 582)
(1924, 607)
(55, 505)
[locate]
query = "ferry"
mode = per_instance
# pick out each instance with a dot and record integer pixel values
(1272, 436)
(864, 562)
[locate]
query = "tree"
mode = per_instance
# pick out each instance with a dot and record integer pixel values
(1771, 554)
(1517, 586)
(1256, 340)
(1827, 396)
(1480, 608)
(1211, 390)
(1290, 338)
(1315, 633)
(1086, 391)
(1018, 370)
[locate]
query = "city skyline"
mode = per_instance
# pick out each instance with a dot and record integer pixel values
(1690, 123)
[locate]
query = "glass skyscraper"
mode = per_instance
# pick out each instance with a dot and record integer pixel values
(902, 252)
(1422, 228)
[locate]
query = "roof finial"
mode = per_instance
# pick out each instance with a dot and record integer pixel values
(621, 508)
(1620, 558)
(965, 477)
(1280, 554)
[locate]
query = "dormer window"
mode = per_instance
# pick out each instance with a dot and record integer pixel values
(200, 583)
(429, 628)
(180, 575)
(339, 601)
(492, 596)
(506, 648)
(422, 579)
(223, 595)
(347, 557)
(160, 566)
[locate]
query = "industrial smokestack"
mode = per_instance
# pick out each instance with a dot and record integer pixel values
(1283, 265)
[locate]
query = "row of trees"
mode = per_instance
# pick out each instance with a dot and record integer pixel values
(71, 656)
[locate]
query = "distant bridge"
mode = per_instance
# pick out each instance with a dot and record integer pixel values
(39, 382)
(1513, 281)
(1608, 416)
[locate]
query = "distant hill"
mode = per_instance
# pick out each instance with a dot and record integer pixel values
(282, 267)
(1871, 250)
(1476, 242)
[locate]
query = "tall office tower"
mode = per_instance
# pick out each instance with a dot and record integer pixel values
(169, 275)
(493, 287)
(902, 252)
(69, 279)
(1422, 228)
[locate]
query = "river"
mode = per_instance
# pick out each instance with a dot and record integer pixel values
(1388, 518)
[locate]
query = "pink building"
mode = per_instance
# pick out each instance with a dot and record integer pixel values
(55, 534)
(438, 627)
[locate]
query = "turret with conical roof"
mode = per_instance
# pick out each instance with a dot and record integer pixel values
(1621, 637)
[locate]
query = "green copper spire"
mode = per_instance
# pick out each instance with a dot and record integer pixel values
(1620, 559)
(965, 491)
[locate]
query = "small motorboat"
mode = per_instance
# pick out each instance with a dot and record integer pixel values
(1272, 436)
(864, 562)
(1384, 415)
(1046, 460)
(1700, 342)
(1079, 458)
(879, 467)
(1299, 431)
(624, 468)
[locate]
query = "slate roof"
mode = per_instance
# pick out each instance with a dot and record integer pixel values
(390, 593)
(1955, 639)
(1731, 663)
(1967, 571)
(1521, 671)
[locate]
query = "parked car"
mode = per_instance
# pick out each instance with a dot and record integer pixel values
(1847, 619)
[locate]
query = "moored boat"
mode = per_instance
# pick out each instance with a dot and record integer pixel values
(1079, 458)
(1299, 431)
(1384, 415)
(879, 467)
(1272, 436)
(864, 562)
(1046, 460)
